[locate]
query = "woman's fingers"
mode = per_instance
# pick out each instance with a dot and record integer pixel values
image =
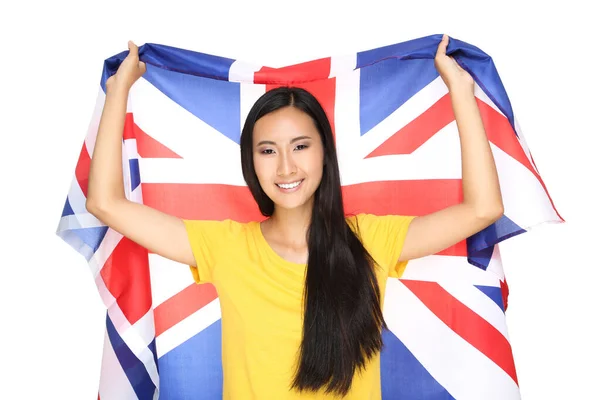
(133, 49)
(441, 50)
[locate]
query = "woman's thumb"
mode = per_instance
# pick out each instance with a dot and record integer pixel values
(132, 48)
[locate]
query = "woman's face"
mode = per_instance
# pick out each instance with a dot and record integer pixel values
(288, 157)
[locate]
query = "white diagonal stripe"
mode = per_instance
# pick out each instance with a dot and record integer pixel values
(188, 328)
(456, 365)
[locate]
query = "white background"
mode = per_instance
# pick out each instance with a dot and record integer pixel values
(51, 58)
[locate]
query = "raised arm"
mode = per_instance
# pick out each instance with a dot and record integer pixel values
(482, 200)
(160, 233)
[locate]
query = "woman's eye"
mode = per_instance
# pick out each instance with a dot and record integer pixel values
(301, 146)
(267, 151)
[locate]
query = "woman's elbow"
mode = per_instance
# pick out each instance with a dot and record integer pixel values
(95, 207)
(492, 213)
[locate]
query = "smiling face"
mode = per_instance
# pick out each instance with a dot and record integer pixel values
(288, 157)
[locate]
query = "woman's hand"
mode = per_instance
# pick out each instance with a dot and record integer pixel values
(452, 74)
(130, 70)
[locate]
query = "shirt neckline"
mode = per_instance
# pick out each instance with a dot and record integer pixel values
(272, 254)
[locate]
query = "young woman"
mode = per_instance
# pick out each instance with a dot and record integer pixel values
(300, 292)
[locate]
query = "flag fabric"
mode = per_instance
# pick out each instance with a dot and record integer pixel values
(399, 153)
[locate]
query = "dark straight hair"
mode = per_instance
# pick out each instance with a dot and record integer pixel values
(343, 320)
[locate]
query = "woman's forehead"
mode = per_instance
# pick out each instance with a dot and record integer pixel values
(284, 125)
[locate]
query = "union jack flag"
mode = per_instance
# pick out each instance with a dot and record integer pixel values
(399, 153)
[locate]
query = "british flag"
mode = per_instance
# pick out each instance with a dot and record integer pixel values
(399, 153)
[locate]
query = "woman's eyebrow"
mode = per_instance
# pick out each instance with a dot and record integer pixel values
(291, 141)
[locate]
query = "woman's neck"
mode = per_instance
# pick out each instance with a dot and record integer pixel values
(290, 226)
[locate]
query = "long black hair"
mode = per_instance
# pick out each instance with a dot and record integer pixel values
(343, 319)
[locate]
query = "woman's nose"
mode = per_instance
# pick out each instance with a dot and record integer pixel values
(286, 165)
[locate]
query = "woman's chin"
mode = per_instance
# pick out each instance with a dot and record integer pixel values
(287, 203)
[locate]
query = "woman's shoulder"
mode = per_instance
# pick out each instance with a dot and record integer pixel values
(370, 223)
(359, 219)
(220, 227)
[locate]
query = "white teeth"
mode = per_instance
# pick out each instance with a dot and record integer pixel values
(289, 185)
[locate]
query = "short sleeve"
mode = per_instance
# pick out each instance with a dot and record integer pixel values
(385, 236)
(207, 240)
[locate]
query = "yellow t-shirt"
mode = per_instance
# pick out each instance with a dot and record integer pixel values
(260, 296)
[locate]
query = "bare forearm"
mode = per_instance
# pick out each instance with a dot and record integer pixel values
(481, 188)
(106, 172)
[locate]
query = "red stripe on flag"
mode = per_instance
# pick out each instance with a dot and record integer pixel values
(147, 146)
(465, 323)
(504, 290)
(82, 169)
(294, 74)
(182, 305)
(127, 277)
(202, 201)
(418, 131)
(219, 202)
(402, 197)
(128, 132)
(500, 132)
